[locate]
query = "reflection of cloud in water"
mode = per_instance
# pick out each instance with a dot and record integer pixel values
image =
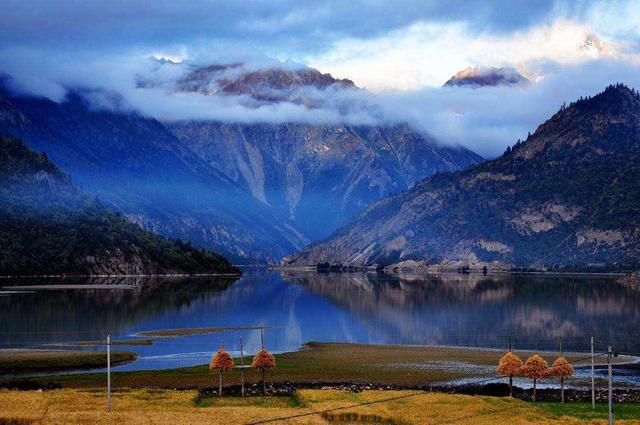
(536, 320)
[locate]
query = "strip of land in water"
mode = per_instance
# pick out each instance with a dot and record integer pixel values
(119, 342)
(162, 333)
(33, 361)
(154, 335)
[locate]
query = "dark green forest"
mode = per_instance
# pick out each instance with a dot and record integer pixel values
(49, 226)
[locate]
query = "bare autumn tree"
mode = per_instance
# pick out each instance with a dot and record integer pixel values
(221, 362)
(534, 368)
(561, 368)
(263, 361)
(509, 365)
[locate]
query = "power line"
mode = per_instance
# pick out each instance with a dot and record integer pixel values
(320, 412)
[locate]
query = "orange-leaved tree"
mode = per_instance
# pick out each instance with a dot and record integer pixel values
(534, 368)
(510, 365)
(561, 368)
(221, 362)
(263, 361)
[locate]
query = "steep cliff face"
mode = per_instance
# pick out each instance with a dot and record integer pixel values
(136, 165)
(320, 176)
(49, 226)
(566, 197)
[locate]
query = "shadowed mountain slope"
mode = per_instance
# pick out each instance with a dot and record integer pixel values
(567, 197)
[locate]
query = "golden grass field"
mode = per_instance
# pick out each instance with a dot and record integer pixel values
(145, 406)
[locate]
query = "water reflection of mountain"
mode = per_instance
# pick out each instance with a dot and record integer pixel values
(64, 315)
(485, 310)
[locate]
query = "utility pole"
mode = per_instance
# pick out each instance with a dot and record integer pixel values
(241, 367)
(609, 361)
(108, 373)
(593, 379)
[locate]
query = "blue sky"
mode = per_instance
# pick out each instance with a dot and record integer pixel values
(400, 51)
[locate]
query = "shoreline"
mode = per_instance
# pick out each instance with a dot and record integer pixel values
(73, 276)
(314, 269)
(425, 272)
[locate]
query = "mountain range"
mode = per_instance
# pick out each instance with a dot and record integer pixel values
(567, 197)
(252, 192)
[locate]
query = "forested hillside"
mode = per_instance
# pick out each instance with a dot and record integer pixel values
(49, 226)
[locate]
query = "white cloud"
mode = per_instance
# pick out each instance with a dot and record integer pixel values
(488, 120)
(427, 54)
(405, 65)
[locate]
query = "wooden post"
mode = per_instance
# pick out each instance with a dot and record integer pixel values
(593, 379)
(241, 368)
(561, 378)
(510, 377)
(108, 373)
(510, 386)
(609, 361)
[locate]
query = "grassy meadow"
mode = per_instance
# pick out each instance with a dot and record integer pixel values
(149, 406)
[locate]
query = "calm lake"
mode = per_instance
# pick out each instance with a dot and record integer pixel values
(479, 311)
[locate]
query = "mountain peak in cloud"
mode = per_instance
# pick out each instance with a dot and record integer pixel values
(481, 76)
(266, 85)
(592, 45)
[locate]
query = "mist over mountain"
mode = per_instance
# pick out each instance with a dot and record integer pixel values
(253, 192)
(136, 165)
(316, 175)
(566, 197)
